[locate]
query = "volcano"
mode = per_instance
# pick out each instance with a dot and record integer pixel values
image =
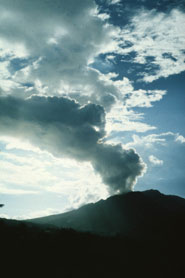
(146, 215)
(129, 235)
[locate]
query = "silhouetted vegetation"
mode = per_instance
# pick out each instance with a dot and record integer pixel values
(40, 251)
(152, 246)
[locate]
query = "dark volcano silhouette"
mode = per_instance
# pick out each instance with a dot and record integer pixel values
(149, 241)
(147, 214)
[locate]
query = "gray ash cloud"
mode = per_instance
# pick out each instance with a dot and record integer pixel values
(65, 128)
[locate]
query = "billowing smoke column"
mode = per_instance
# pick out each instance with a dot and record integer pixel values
(118, 168)
(64, 128)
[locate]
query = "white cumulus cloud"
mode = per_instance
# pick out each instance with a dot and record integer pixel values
(180, 139)
(158, 36)
(154, 160)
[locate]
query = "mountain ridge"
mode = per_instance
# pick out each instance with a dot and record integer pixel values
(134, 214)
(149, 241)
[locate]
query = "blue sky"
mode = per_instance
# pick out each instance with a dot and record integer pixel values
(91, 102)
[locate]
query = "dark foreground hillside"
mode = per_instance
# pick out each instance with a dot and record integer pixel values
(31, 251)
(138, 215)
(139, 234)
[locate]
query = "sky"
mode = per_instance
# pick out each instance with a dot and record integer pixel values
(91, 102)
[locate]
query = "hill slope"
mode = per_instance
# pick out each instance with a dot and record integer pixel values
(32, 250)
(29, 250)
(147, 214)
